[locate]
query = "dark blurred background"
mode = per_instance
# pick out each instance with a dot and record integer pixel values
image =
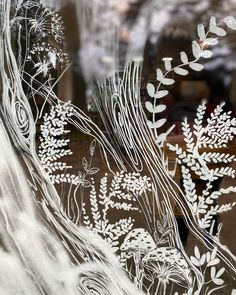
(170, 32)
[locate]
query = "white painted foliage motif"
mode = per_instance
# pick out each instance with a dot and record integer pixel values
(52, 148)
(122, 195)
(206, 38)
(57, 256)
(213, 135)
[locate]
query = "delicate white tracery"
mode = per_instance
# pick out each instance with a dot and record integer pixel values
(44, 249)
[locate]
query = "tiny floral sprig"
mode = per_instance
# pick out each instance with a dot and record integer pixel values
(41, 20)
(46, 57)
(210, 267)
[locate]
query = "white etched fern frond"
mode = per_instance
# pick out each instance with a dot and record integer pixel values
(53, 147)
(121, 194)
(203, 148)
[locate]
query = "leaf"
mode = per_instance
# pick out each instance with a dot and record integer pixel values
(196, 67)
(85, 163)
(230, 22)
(214, 29)
(202, 260)
(201, 32)
(212, 25)
(157, 124)
(160, 139)
(219, 31)
(183, 57)
(206, 54)
(195, 261)
(92, 147)
(150, 89)
(213, 272)
(93, 171)
(157, 109)
(168, 81)
(86, 183)
(167, 64)
(181, 71)
(211, 41)
(220, 272)
(213, 253)
(209, 201)
(218, 281)
(159, 75)
(202, 210)
(215, 276)
(161, 93)
(196, 49)
(150, 124)
(149, 106)
(196, 252)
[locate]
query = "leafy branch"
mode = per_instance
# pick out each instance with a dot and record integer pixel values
(208, 263)
(199, 50)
